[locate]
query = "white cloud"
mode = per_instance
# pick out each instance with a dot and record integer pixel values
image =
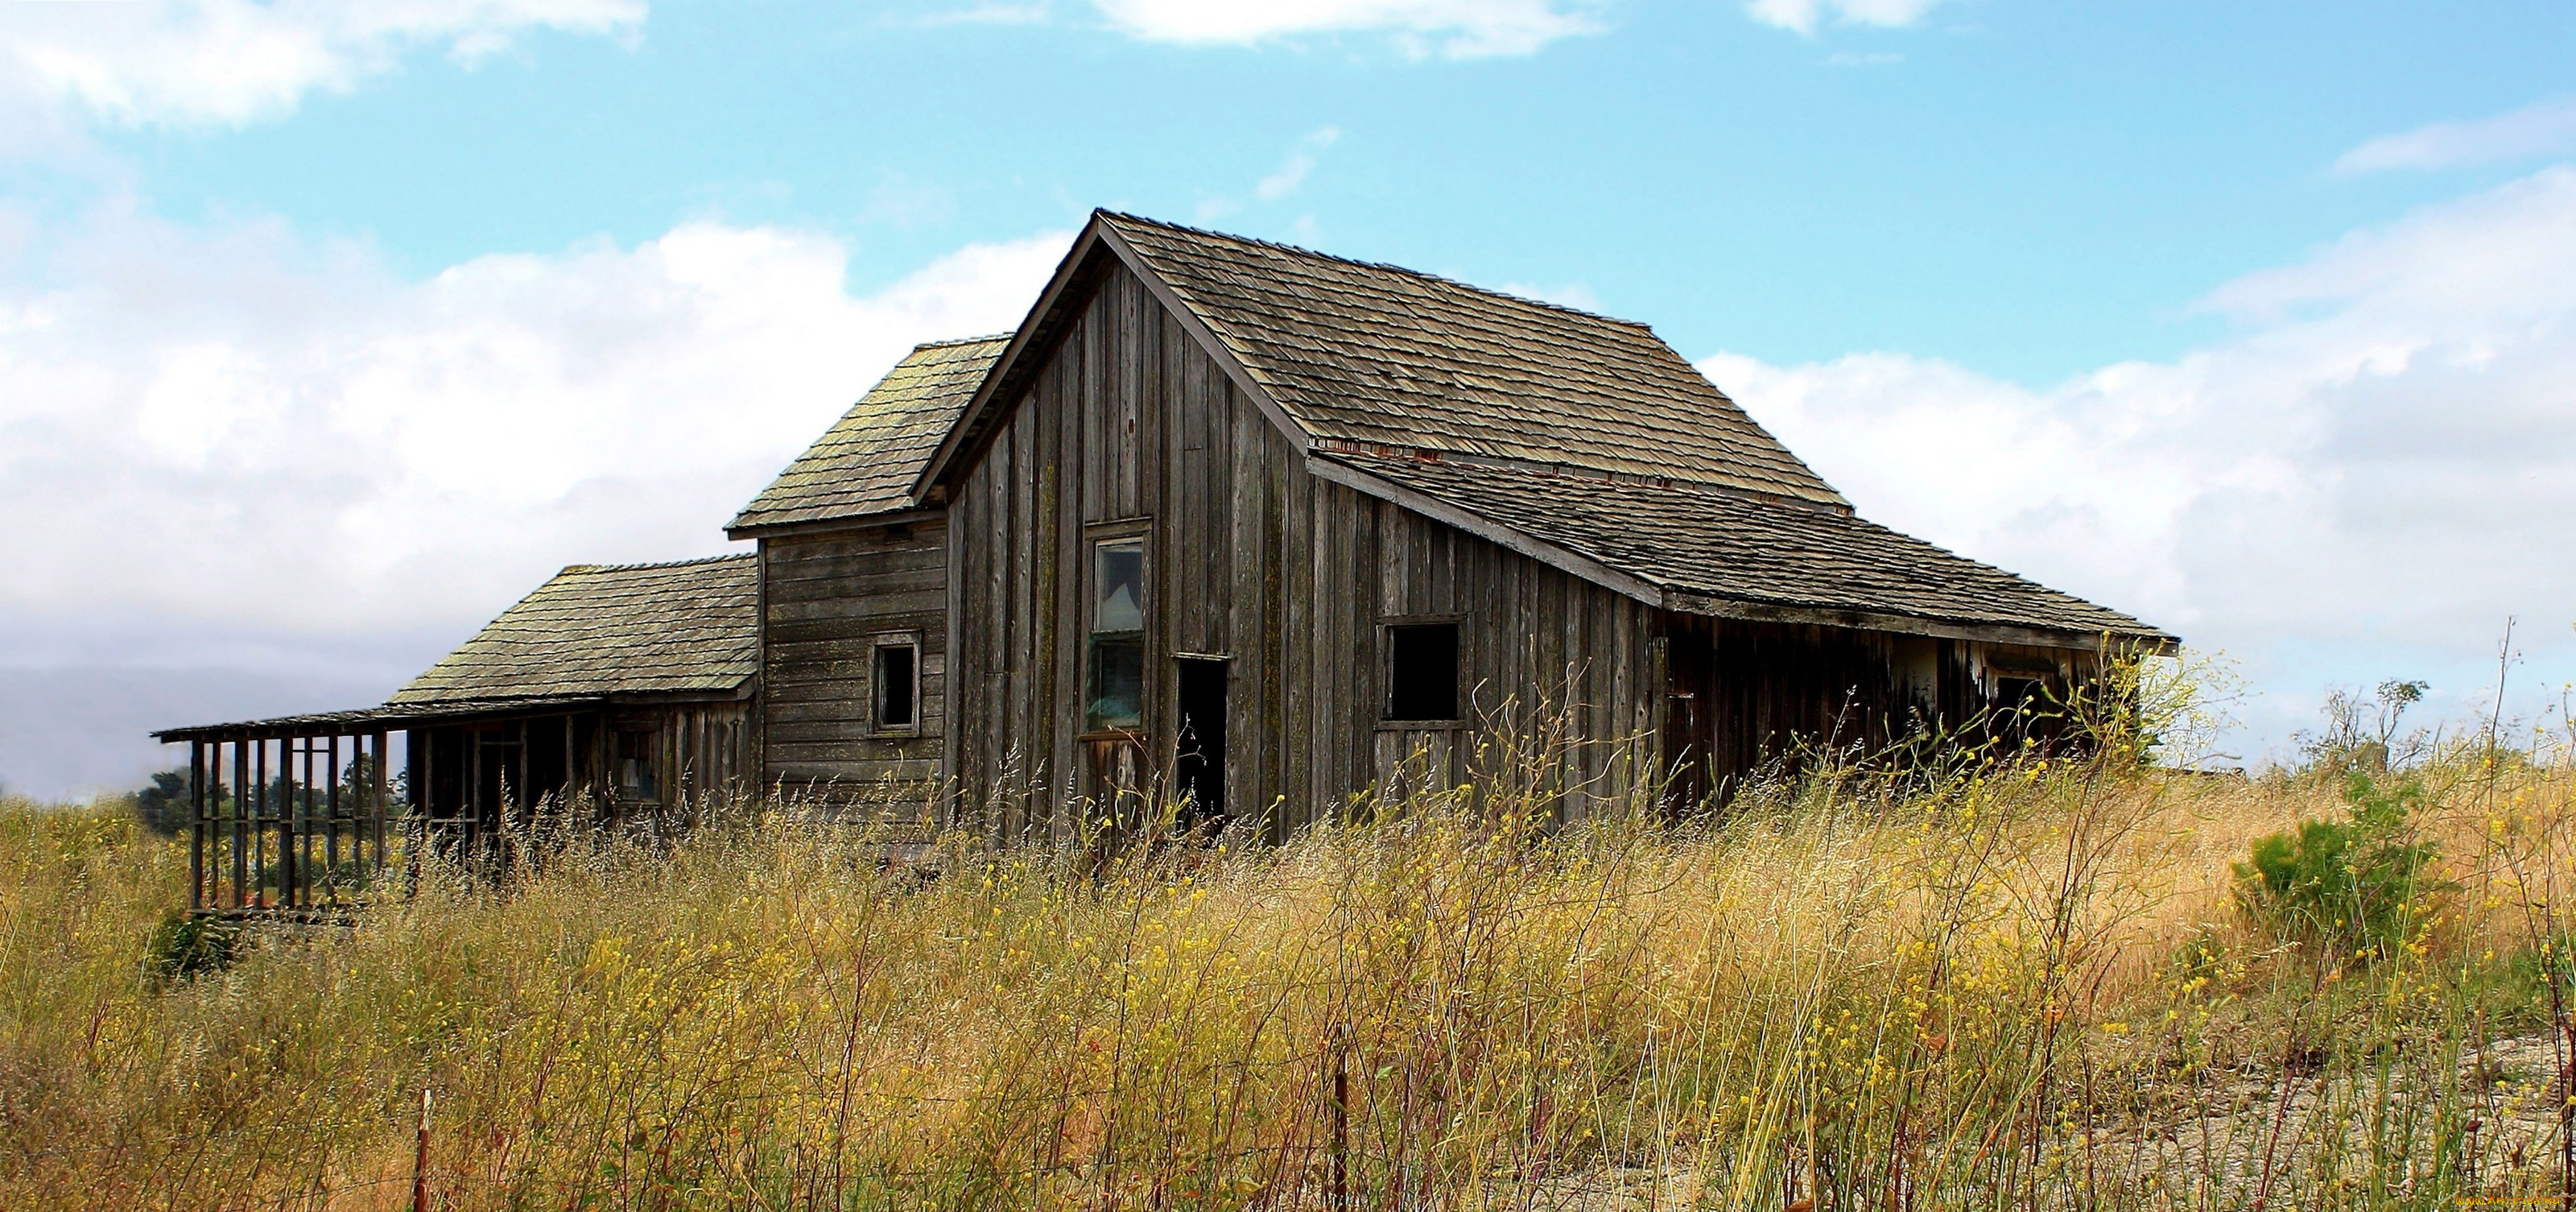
(1457, 29)
(2378, 466)
(226, 62)
(1804, 16)
(237, 431)
(2546, 128)
(1280, 182)
(1301, 161)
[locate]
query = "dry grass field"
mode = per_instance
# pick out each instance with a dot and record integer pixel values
(2028, 984)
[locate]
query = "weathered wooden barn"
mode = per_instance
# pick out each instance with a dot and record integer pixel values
(1248, 524)
(1257, 525)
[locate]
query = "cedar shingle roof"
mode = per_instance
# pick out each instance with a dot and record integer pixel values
(609, 629)
(1750, 552)
(867, 461)
(1363, 353)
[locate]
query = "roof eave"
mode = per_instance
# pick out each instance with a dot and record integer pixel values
(740, 531)
(2149, 641)
(1658, 593)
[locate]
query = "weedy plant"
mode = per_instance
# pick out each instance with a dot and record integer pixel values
(2020, 981)
(2357, 886)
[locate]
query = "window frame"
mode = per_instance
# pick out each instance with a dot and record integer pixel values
(650, 737)
(877, 725)
(1094, 537)
(1386, 628)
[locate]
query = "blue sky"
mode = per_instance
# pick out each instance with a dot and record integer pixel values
(2254, 320)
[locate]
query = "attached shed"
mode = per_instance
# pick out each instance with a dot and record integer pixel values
(629, 684)
(627, 687)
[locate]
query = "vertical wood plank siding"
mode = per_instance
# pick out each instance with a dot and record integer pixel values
(464, 776)
(826, 599)
(1251, 558)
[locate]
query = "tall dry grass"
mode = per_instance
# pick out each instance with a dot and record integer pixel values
(2010, 986)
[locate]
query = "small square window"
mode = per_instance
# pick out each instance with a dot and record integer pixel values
(898, 686)
(1422, 671)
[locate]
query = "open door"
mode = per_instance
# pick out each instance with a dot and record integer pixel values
(1198, 768)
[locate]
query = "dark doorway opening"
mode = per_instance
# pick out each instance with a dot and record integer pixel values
(1198, 771)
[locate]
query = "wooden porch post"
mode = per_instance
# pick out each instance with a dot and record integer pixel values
(241, 825)
(377, 794)
(196, 824)
(331, 811)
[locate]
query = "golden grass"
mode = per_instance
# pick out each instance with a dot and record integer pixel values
(2023, 987)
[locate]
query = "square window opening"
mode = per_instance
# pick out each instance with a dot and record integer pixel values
(1422, 671)
(1116, 693)
(898, 686)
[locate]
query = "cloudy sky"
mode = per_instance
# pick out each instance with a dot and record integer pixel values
(328, 327)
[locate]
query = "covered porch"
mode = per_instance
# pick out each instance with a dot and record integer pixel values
(292, 815)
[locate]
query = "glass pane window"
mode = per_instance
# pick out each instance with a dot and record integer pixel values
(1117, 648)
(1118, 594)
(635, 766)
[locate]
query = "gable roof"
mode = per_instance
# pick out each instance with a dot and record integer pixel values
(867, 461)
(1575, 438)
(1375, 355)
(1354, 354)
(598, 630)
(1726, 554)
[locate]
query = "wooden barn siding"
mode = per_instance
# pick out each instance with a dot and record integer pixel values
(1250, 557)
(704, 749)
(824, 601)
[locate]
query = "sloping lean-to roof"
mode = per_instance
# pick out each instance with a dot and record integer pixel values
(1722, 553)
(867, 461)
(1375, 355)
(601, 630)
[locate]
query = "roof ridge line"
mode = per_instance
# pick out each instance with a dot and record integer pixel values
(945, 342)
(1387, 266)
(1536, 467)
(689, 563)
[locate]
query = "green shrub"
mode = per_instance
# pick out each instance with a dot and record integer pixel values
(2354, 886)
(164, 804)
(185, 944)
